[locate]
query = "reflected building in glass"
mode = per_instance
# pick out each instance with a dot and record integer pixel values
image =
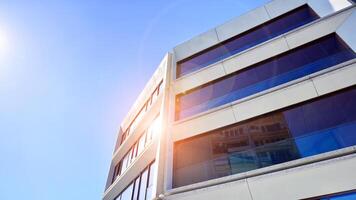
(260, 107)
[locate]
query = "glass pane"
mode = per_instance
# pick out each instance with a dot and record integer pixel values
(322, 125)
(151, 188)
(141, 144)
(344, 197)
(348, 196)
(136, 190)
(250, 38)
(154, 128)
(125, 163)
(307, 59)
(127, 193)
(130, 157)
(143, 185)
(134, 151)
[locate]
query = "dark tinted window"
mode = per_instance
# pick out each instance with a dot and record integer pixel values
(307, 59)
(342, 196)
(315, 127)
(273, 28)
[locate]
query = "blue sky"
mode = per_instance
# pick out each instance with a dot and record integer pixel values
(69, 71)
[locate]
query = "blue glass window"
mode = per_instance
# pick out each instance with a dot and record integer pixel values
(250, 38)
(343, 196)
(321, 125)
(307, 59)
(351, 196)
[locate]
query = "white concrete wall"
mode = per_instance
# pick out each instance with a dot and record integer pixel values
(327, 177)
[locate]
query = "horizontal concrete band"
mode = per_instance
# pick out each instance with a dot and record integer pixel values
(266, 170)
(268, 49)
(243, 23)
(303, 89)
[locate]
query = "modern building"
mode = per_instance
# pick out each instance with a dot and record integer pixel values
(262, 107)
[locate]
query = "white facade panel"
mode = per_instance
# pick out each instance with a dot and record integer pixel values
(316, 30)
(203, 123)
(196, 45)
(347, 30)
(242, 23)
(255, 55)
(335, 80)
(274, 100)
(327, 177)
(327, 7)
(279, 7)
(191, 81)
(228, 191)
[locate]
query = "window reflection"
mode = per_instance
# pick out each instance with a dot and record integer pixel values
(322, 125)
(307, 59)
(342, 196)
(250, 38)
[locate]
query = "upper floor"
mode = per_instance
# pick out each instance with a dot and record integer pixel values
(213, 80)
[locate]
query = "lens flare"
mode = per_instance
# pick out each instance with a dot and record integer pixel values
(4, 46)
(157, 126)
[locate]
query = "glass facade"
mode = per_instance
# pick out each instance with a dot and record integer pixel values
(250, 38)
(143, 187)
(307, 59)
(137, 148)
(148, 104)
(321, 125)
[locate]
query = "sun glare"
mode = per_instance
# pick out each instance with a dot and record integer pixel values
(3, 43)
(157, 125)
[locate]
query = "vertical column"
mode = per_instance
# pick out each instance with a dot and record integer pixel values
(161, 155)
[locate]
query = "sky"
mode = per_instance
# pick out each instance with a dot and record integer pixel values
(69, 72)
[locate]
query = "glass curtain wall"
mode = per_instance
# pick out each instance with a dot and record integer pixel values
(296, 63)
(322, 125)
(248, 39)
